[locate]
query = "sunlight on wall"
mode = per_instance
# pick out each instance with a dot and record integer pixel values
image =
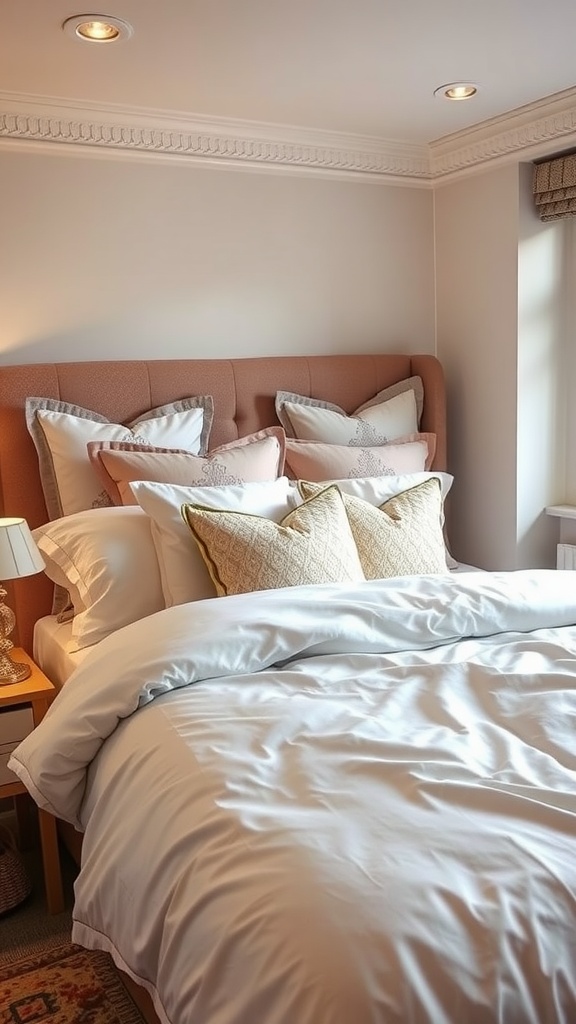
(570, 334)
(542, 292)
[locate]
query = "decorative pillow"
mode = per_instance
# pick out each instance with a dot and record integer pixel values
(312, 544)
(311, 460)
(377, 489)
(403, 537)
(61, 431)
(392, 413)
(106, 559)
(256, 457)
(183, 572)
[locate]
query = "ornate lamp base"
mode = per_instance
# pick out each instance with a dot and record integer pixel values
(12, 671)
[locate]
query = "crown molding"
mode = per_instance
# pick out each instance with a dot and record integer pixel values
(213, 140)
(535, 130)
(526, 133)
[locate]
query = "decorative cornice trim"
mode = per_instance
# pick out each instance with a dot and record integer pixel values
(253, 144)
(526, 133)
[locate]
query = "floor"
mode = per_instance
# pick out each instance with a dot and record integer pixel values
(29, 926)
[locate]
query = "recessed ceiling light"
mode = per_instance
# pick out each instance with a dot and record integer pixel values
(97, 28)
(456, 91)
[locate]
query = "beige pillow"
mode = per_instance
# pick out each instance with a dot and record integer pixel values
(182, 569)
(315, 460)
(403, 537)
(243, 553)
(251, 459)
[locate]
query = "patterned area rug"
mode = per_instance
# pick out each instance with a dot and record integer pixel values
(64, 985)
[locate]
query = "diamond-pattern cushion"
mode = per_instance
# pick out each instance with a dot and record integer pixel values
(243, 553)
(403, 536)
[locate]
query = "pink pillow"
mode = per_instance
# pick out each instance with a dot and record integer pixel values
(316, 461)
(256, 458)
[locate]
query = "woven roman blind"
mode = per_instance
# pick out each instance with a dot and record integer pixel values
(554, 187)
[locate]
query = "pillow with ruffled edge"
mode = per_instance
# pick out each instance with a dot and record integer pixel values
(401, 537)
(244, 553)
(392, 413)
(60, 432)
(182, 569)
(255, 457)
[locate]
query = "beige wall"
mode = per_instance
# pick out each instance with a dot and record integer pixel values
(119, 258)
(501, 337)
(569, 493)
(542, 379)
(476, 267)
(105, 257)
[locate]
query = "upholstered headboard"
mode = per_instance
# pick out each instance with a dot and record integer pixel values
(243, 392)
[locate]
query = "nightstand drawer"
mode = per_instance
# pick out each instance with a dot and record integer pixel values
(15, 724)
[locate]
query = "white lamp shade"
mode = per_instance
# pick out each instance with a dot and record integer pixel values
(19, 555)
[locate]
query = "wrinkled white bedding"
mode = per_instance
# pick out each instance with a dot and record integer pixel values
(363, 811)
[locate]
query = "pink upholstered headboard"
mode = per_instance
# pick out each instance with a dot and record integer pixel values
(243, 392)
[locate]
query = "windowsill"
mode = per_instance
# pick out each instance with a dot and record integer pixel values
(561, 511)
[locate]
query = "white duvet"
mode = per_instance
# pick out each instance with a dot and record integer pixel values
(331, 805)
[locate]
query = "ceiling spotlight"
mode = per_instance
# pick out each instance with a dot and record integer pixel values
(456, 91)
(97, 28)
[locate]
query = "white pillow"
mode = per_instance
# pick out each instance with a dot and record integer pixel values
(391, 414)
(183, 571)
(378, 489)
(61, 431)
(106, 559)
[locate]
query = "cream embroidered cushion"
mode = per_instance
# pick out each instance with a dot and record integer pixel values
(312, 460)
(378, 489)
(243, 553)
(256, 457)
(393, 412)
(403, 537)
(183, 571)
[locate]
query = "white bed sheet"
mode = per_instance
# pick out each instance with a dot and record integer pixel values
(331, 805)
(52, 645)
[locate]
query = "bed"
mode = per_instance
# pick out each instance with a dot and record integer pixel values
(335, 801)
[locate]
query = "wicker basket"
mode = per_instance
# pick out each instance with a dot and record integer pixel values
(15, 885)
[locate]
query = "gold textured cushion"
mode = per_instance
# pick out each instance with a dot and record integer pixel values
(243, 553)
(403, 537)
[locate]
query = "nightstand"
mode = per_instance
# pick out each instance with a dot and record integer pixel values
(22, 706)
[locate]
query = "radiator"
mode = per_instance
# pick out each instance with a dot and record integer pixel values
(566, 556)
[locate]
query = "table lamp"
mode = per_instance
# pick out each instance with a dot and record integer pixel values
(19, 557)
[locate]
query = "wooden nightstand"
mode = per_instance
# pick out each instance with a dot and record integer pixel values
(22, 706)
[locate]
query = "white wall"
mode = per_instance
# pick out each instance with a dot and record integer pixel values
(120, 258)
(569, 494)
(105, 257)
(501, 338)
(542, 379)
(476, 267)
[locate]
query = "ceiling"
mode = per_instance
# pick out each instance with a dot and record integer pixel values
(359, 67)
